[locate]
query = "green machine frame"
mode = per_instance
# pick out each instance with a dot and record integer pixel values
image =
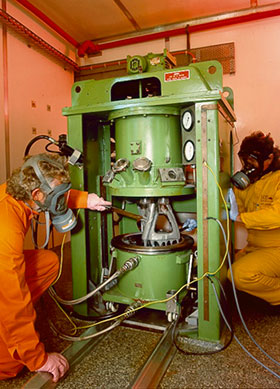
(96, 106)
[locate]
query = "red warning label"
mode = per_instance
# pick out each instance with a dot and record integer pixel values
(177, 76)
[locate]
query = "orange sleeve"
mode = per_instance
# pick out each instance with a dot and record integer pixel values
(77, 199)
(17, 314)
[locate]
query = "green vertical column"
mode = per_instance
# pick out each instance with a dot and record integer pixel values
(97, 146)
(208, 205)
(78, 235)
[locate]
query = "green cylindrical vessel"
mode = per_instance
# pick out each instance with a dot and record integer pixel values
(153, 133)
(160, 269)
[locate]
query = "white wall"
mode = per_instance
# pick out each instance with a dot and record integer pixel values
(33, 75)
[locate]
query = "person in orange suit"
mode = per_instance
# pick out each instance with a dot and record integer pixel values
(256, 203)
(42, 184)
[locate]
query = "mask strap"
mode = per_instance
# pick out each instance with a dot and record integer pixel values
(34, 240)
(33, 162)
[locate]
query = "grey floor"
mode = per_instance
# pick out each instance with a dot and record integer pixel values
(113, 363)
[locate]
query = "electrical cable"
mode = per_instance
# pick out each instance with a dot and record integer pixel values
(80, 338)
(238, 306)
(193, 281)
(207, 274)
(163, 300)
(242, 319)
(98, 318)
(87, 296)
(81, 317)
(237, 340)
(61, 260)
(185, 352)
(130, 264)
(75, 328)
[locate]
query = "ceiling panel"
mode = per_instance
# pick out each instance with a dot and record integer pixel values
(150, 14)
(98, 19)
(85, 19)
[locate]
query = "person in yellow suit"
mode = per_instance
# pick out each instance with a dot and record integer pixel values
(256, 203)
(42, 184)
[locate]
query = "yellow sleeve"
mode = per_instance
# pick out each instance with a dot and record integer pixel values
(265, 219)
(239, 200)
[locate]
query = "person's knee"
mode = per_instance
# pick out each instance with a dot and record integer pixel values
(9, 368)
(50, 262)
(53, 262)
(239, 275)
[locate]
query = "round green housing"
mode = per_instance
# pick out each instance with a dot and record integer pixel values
(152, 133)
(160, 269)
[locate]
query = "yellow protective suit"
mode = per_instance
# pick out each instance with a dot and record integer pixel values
(256, 269)
(24, 276)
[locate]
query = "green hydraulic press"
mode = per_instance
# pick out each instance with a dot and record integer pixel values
(158, 144)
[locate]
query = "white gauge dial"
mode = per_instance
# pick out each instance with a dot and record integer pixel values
(189, 150)
(187, 120)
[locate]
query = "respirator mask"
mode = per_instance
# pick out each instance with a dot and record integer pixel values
(61, 216)
(54, 205)
(250, 173)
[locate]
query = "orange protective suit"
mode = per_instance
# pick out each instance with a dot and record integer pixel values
(24, 276)
(256, 269)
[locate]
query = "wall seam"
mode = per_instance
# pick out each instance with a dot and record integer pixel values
(6, 95)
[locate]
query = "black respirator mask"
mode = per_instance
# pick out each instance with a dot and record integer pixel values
(250, 173)
(54, 205)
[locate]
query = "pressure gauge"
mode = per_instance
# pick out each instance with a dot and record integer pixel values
(187, 120)
(189, 150)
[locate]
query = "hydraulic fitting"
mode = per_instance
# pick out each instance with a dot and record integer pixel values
(130, 264)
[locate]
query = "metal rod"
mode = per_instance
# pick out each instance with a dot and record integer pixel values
(126, 213)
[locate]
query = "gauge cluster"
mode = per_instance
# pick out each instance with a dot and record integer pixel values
(188, 135)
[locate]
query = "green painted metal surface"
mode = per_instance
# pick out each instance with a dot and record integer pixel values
(95, 96)
(140, 133)
(154, 276)
(150, 127)
(78, 236)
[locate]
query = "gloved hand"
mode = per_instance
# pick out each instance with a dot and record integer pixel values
(189, 225)
(56, 364)
(233, 212)
(96, 203)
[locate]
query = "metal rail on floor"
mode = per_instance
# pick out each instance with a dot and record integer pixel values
(150, 375)
(75, 353)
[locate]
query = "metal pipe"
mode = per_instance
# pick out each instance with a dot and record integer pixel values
(89, 47)
(93, 48)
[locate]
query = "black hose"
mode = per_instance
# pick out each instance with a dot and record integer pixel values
(28, 147)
